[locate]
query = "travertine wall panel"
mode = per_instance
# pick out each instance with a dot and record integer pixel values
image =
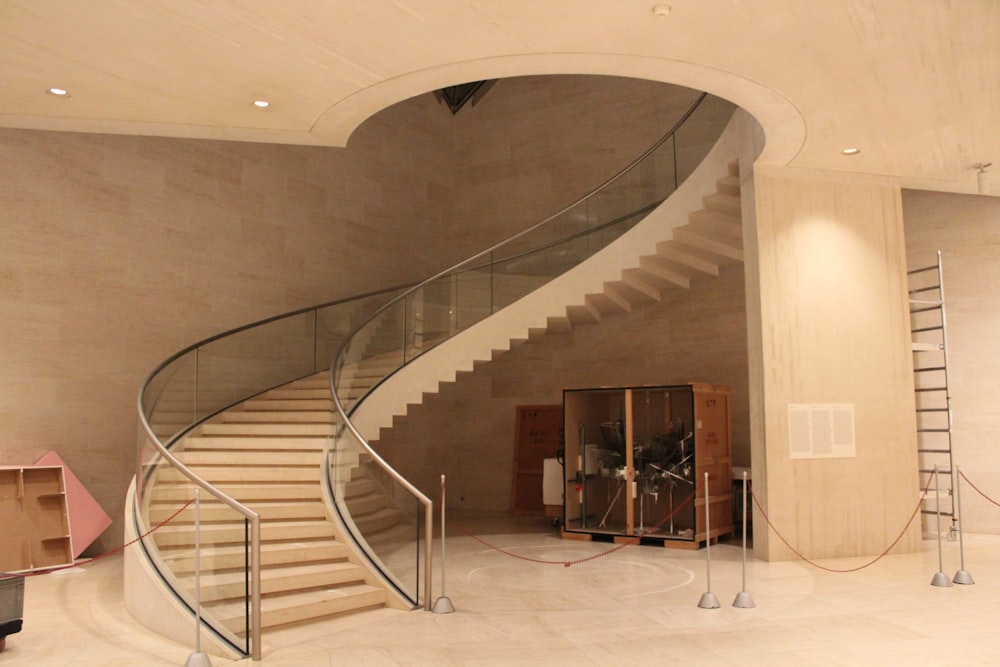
(834, 330)
(966, 229)
(533, 145)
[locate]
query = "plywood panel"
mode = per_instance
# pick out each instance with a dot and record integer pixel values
(87, 518)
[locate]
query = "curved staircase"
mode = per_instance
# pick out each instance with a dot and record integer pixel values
(270, 452)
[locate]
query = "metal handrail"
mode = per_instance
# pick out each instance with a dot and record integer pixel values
(463, 266)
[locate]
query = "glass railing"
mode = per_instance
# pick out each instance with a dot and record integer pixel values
(452, 301)
(189, 388)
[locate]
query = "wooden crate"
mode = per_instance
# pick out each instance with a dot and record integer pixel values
(618, 504)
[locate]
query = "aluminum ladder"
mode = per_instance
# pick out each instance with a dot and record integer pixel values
(929, 333)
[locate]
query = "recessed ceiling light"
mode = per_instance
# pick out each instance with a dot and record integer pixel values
(261, 104)
(661, 10)
(58, 92)
(851, 151)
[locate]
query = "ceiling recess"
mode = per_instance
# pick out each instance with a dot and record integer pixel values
(458, 96)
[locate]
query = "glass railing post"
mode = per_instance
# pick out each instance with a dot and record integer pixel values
(492, 286)
(315, 340)
(194, 398)
(673, 154)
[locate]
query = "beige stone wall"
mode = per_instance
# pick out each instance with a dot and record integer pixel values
(966, 229)
(468, 430)
(535, 144)
(117, 251)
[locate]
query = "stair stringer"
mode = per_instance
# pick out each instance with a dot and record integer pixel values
(479, 342)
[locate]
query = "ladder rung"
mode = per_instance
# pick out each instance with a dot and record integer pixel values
(929, 369)
(943, 513)
(918, 290)
(933, 430)
(930, 471)
(924, 329)
(922, 269)
(914, 311)
(932, 409)
(936, 450)
(932, 388)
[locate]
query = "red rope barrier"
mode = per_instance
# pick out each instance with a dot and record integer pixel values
(35, 573)
(913, 515)
(566, 563)
(977, 489)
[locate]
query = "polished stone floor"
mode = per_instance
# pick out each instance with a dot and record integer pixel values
(635, 606)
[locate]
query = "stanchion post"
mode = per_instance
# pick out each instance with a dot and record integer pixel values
(743, 599)
(940, 578)
(962, 576)
(198, 658)
(442, 605)
(708, 599)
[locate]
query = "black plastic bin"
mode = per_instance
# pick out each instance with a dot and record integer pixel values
(11, 606)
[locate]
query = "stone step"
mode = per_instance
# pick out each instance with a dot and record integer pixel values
(279, 610)
(223, 474)
(218, 586)
(291, 404)
(689, 261)
(250, 458)
(278, 416)
(730, 185)
(728, 249)
(255, 442)
(716, 222)
(230, 533)
(235, 557)
(296, 393)
(267, 429)
(377, 521)
(245, 493)
(215, 511)
(720, 201)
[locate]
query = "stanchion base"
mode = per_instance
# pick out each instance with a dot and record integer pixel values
(198, 659)
(442, 606)
(709, 601)
(743, 601)
(940, 579)
(963, 577)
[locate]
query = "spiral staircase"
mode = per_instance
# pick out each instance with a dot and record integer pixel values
(333, 526)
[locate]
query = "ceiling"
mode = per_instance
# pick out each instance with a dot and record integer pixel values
(914, 84)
